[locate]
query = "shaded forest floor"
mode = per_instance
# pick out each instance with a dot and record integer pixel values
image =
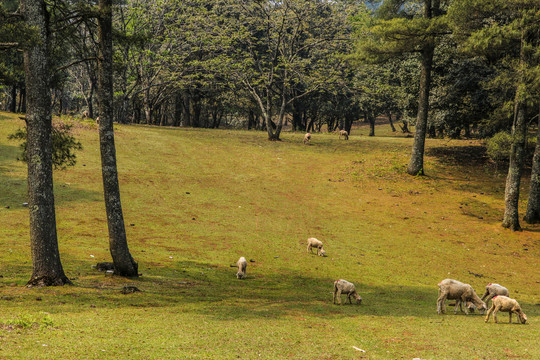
(195, 200)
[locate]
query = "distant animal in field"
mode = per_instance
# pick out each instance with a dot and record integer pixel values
(345, 287)
(344, 133)
(463, 293)
(241, 265)
(506, 304)
(85, 114)
(307, 138)
(314, 243)
(493, 290)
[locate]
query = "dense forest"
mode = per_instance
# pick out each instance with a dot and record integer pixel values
(455, 68)
(248, 64)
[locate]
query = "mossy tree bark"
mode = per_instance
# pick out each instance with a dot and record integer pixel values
(46, 265)
(416, 163)
(124, 264)
(517, 150)
(532, 216)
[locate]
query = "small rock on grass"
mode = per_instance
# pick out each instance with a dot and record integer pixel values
(129, 289)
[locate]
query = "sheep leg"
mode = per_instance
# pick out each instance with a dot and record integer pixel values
(440, 302)
(459, 305)
(309, 248)
(489, 297)
(497, 308)
(484, 296)
(463, 301)
(510, 316)
(489, 312)
(339, 296)
(349, 296)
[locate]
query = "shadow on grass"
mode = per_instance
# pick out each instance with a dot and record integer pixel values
(13, 189)
(214, 291)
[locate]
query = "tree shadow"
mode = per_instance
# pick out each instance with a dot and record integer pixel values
(14, 188)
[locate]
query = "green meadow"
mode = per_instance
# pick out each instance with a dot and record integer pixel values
(195, 200)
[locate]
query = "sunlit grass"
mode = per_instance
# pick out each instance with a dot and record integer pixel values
(195, 200)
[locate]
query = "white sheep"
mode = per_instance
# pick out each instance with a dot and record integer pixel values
(506, 304)
(493, 290)
(314, 243)
(344, 133)
(307, 138)
(242, 265)
(345, 287)
(463, 293)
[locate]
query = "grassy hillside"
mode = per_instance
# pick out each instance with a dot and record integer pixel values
(196, 200)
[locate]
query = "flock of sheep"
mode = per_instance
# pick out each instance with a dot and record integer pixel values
(464, 293)
(449, 289)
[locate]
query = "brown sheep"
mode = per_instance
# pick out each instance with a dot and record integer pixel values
(506, 304)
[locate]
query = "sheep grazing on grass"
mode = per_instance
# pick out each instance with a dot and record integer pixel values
(314, 243)
(463, 293)
(242, 265)
(85, 114)
(344, 133)
(506, 304)
(307, 138)
(344, 287)
(493, 290)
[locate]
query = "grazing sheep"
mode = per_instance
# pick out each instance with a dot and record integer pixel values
(344, 287)
(307, 138)
(344, 133)
(85, 114)
(493, 290)
(506, 304)
(314, 243)
(463, 293)
(242, 265)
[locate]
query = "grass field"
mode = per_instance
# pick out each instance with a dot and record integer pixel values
(195, 200)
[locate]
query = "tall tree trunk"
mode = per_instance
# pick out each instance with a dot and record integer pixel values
(416, 163)
(46, 265)
(515, 169)
(371, 118)
(124, 264)
(517, 150)
(391, 122)
(13, 101)
(532, 216)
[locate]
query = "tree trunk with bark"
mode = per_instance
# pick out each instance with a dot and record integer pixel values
(532, 216)
(124, 264)
(391, 122)
(46, 265)
(416, 163)
(517, 150)
(371, 119)
(13, 101)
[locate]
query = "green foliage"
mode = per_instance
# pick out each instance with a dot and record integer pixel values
(64, 145)
(498, 146)
(28, 321)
